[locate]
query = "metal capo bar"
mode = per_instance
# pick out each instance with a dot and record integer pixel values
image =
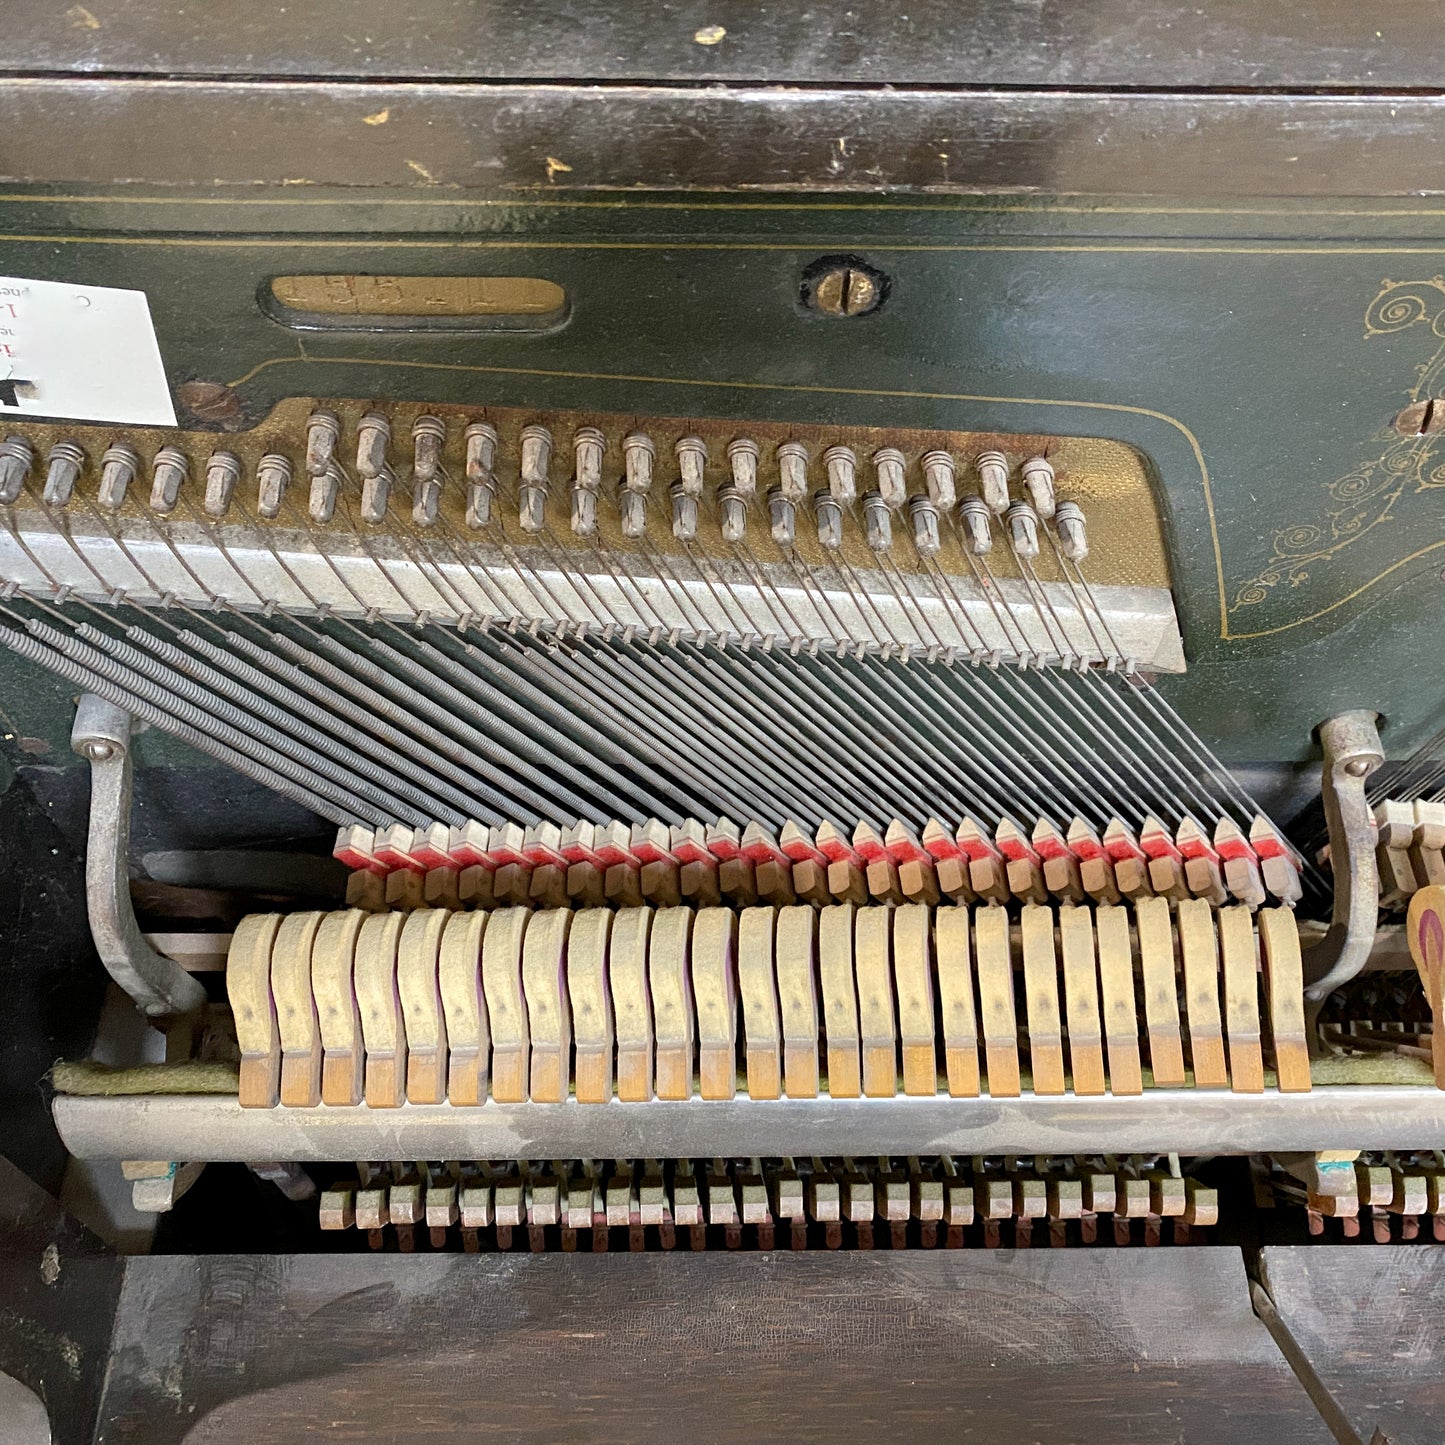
(159, 985)
(1351, 744)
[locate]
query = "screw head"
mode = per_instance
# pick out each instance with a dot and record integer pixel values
(1421, 418)
(844, 292)
(98, 752)
(843, 286)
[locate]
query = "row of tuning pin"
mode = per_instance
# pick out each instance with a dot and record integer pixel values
(170, 469)
(588, 864)
(792, 460)
(120, 466)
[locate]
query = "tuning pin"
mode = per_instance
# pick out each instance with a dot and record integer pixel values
(169, 470)
(536, 455)
(118, 467)
(223, 471)
(373, 432)
(977, 530)
(892, 483)
(743, 458)
(924, 516)
(481, 443)
(793, 471)
(481, 440)
(587, 448)
(426, 498)
(481, 502)
(993, 480)
(637, 455)
(63, 466)
(531, 508)
(323, 431)
(633, 507)
(829, 512)
(1023, 530)
(877, 522)
(842, 468)
(783, 517)
(426, 501)
(584, 511)
(325, 489)
(273, 476)
(939, 473)
(691, 458)
(532, 493)
(16, 458)
(375, 495)
(1073, 538)
(428, 435)
(684, 513)
(733, 513)
(1039, 483)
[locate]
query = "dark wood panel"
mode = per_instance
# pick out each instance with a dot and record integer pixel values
(1371, 1320)
(1151, 43)
(58, 1292)
(552, 140)
(1108, 1348)
(50, 978)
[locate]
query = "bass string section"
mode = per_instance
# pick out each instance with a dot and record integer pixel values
(380, 723)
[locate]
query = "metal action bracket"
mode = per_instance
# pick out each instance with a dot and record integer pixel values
(159, 985)
(1351, 744)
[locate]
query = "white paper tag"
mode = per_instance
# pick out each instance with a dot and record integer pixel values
(86, 352)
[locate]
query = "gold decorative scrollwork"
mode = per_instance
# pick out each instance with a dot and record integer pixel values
(1365, 497)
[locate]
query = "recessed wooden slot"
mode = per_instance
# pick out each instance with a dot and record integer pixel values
(415, 303)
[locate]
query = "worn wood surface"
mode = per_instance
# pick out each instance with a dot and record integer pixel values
(1371, 1320)
(1164, 43)
(1118, 1348)
(507, 140)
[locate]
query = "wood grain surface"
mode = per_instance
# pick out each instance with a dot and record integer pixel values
(1113, 1347)
(1368, 1319)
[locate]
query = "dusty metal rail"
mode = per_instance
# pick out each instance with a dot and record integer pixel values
(216, 1129)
